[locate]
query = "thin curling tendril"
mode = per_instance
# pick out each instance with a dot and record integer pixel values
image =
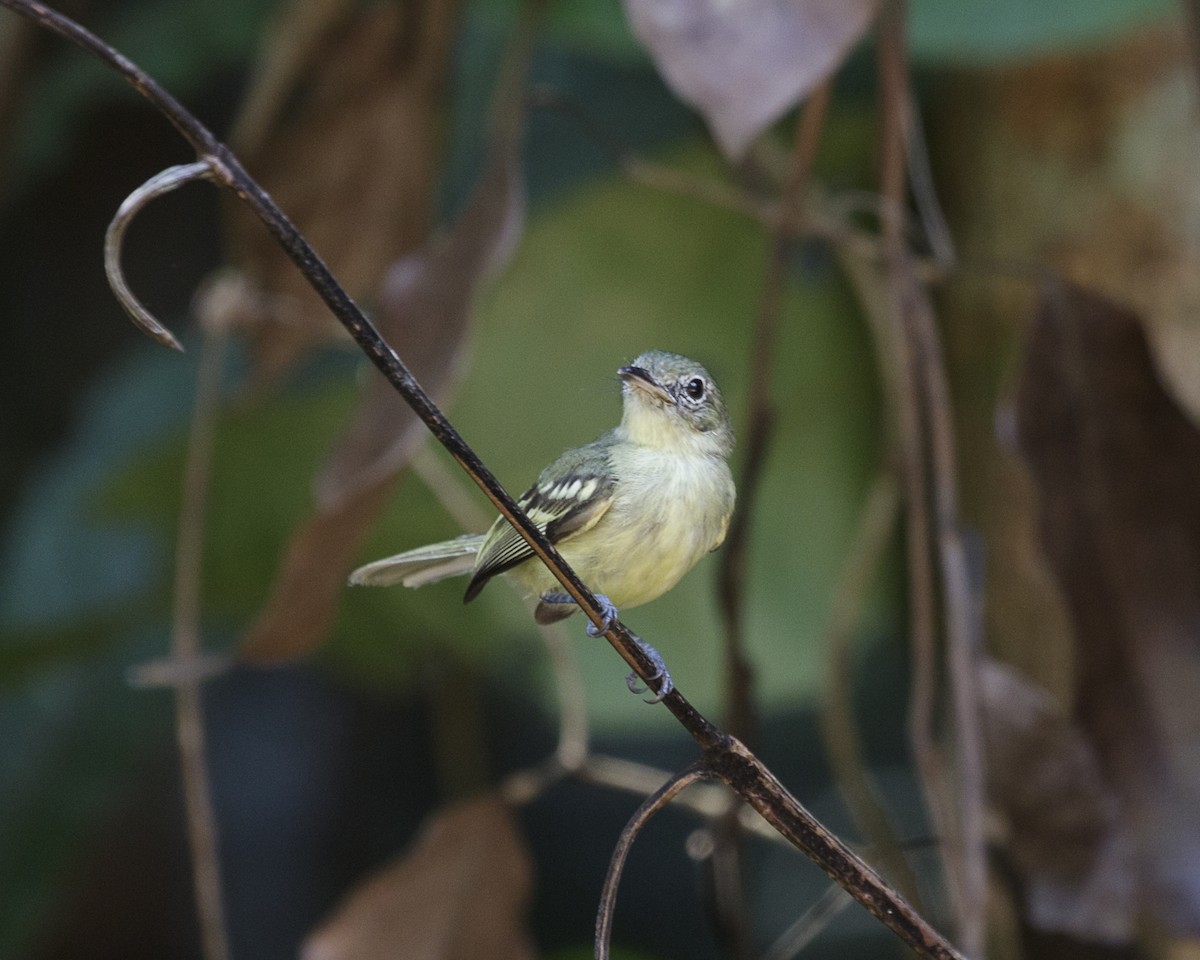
(114, 238)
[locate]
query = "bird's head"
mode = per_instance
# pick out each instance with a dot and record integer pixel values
(671, 402)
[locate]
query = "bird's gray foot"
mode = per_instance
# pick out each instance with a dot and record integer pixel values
(609, 614)
(608, 610)
(660, 673)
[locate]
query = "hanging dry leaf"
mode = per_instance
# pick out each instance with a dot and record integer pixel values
(354, 163)
(424, 311)
(744, 63)
(1066, 837)
(460, 893)
(1117, 468)
(425, 303)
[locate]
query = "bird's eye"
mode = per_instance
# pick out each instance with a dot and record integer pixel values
(695, 388)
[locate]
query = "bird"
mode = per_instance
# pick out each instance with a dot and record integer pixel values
(631, 512)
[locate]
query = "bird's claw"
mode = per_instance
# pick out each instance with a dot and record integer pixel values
(608, 616)
(608, 611)
(666, 684)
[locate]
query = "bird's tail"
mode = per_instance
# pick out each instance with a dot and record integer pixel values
(428, 564)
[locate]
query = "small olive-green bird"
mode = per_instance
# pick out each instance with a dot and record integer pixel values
(631, 512)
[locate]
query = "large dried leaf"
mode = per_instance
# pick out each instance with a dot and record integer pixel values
(354, 163)
(460, 893)
(744, 63)
(424, 312)
(1066, 836)
(1117, 467)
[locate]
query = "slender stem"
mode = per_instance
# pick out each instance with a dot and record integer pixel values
(729, 892)
(956, 807)
(876, 526)
(809, 924)
(650, 806)
(963, 627)
(732, 574)
(907, 407)
(185, 649)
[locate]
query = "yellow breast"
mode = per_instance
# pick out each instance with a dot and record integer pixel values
(669, 509)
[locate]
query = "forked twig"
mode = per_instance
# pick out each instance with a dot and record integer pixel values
(723, 756)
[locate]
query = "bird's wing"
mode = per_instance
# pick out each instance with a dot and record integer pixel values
(569, 498)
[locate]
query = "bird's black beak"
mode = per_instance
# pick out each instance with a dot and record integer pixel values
(640, 378)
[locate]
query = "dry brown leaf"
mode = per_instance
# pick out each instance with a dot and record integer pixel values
(424, 312)
(1117, 468)
(1066, 837)
(425, 303)
(1088, 163)
(744, 63)
(354, 164)
(460, 893)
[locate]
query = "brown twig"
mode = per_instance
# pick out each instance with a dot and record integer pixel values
(650, 806)
(747, 775)
(923, 411)
(729, 894)
(876, 525)
(186, 648)
(723, 756)
(963, 626)
(906, 407)
(188, 667)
